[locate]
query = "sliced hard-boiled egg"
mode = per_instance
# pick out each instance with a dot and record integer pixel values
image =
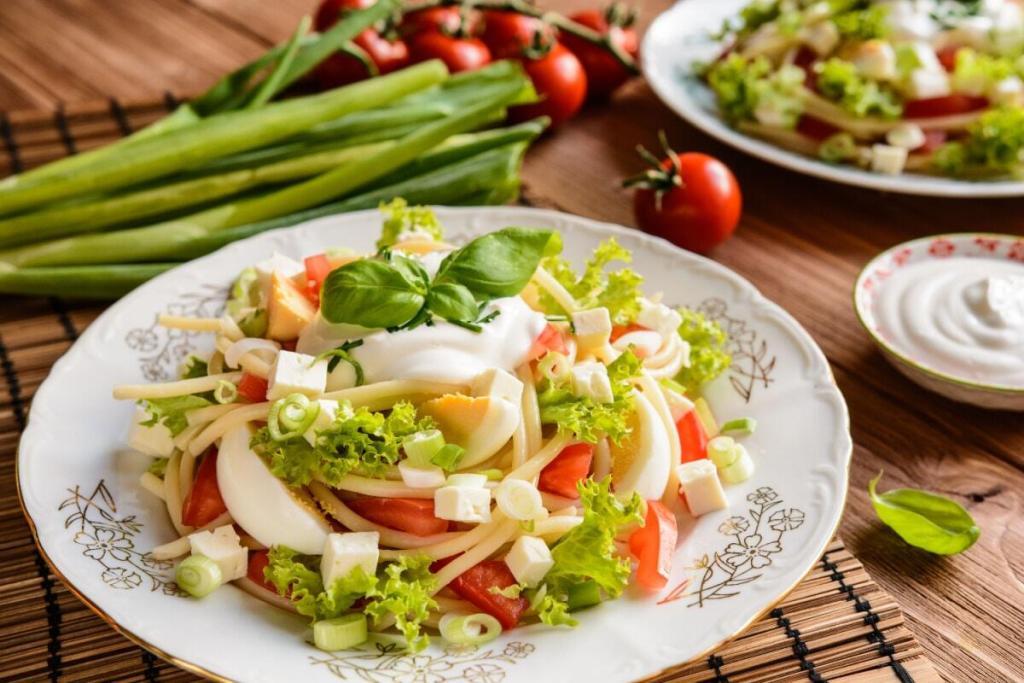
(480, 424)
(643, 460)
(268, 510)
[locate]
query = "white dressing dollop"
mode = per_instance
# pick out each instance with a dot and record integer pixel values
(960, 316)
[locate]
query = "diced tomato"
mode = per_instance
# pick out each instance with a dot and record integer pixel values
(474, 586)
(317, 269)
(653, 545)
(815, 128)
(805, 58)
(943, 106)
(289, 344)
(569, 467)
(412, 515)
(933, 139)
(550, 339)
(619, 330)
(947, 57)
(693, 440)
(258, 561)
(252, 388)
(204, 503)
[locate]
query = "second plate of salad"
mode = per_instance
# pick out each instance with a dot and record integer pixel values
(921, 98)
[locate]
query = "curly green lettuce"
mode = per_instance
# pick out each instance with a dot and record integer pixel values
(294, 575)
(839, 81)
(403, 591)
(400, 218)
(751, 89)
(862, 20)
(708, 355)
(618, 290)
(994, 146)
(171, 412)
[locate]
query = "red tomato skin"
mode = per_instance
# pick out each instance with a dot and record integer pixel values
(561, 83)
(550, 339)
(203, 504)
(653, 546)
(442, 19)
(947, 57)
(411, 515)
(252, 388)
(458, 54)
(507, 34)
(815, 128)
(317, 269)
(340, 69)
(474, 586)
(604, 73)
(693, 440)
(258, 562)
(943, 106)
(619, 330)
(569, 467)
(702, 213)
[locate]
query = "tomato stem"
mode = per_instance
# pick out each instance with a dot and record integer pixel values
(663, 175)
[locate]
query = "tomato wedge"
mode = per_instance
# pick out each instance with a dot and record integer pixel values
(653, 544)
(252, 388)
(317, 269)
(258, 561)
(474, 586)
(550, 339)
(569, 467)
(947, 57)
(693, 440)
(943, 106)
(412, 515)
(815, 128)
(204, 503)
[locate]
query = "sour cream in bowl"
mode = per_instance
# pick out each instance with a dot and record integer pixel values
(948, 312)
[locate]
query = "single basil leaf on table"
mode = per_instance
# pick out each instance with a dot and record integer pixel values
(925, 520)
(453, 302)
(497, 264)
(371, 293)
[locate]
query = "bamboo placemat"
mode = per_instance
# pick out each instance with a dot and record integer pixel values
(837, 625)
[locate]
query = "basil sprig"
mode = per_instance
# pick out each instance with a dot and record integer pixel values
(925, 520)
(394, 292)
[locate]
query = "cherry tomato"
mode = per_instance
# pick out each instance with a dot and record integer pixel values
(445, 20)
(943, 106)
(569, 468)
(604, 72)
(815, 128)
(252, 388)
(258, 561)
(693, 440)
(412, 515)
(560, 82)
(690, 199)
(458, 54)
(507, 34)
(947, 57)
(317, 269)
(550, 339)
(475, 586)
(340, 68)
(653, 545)
(203, 504)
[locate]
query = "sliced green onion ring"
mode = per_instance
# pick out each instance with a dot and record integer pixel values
(554, 366)
(472, 629)
(226, 392)
(421, 447)
(198, 575)
(743, 426)
(340, 633)
(291, 416)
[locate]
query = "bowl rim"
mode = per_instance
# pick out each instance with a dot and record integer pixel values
(903, 357)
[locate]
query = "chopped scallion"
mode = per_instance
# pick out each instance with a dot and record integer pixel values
(583, 595)
(473, 629)
(341, 633)
(226, 392)
(198, 575)
(448, 457)
(421, 447)
(291, 416)
(743, 426)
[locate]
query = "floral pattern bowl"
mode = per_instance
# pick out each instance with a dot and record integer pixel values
(95, 525)
(872, 278)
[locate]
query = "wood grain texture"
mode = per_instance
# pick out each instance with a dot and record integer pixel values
(801, 242)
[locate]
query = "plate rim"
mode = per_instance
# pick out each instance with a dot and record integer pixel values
(908, 184)
(747, 288)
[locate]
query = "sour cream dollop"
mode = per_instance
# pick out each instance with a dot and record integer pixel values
(960, 316)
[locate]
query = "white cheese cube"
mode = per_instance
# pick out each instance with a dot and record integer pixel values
(467, 479)
(698, 482)
(593, 328)
(156, 440)
(345, 552)
(906, 135)
(887, 159)
(1009, 91)
(927, 83)
(429, 477)
(463, 504)
(659, 317)
(223, 546)
(741, 469)
(529, 560)
(498, 383)
(296, 373)
(645, 343)
(822, 37)
(324, 418)
(924, 56)
(590, 380)
(876, 59)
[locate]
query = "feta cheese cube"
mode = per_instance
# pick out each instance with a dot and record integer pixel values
(529, 560)
(698, 482)
(659, 317)
(921, 55)
(822, 37)
(906, 135)
(499, 384)
(296, 373)
(926, 83)
(593, 328)
(417, 477)
(887, 159)
(590, 380)
(223, 546)
(462, 503)
(328, 410)
(876, 59)
(156, 440)
(344, 552)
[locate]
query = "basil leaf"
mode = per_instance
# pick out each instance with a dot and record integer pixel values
(925, 520)
(372, 293)
(411, 269)
(497, 264)
(452, 302)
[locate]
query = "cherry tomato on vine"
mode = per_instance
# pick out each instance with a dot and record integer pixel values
(458, 54)
(604, 72)
(385, 53)
(691, 199)
(446, 20)
(560, 81)
(507, 34)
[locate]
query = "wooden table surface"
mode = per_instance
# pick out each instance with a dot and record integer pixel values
(801, 241)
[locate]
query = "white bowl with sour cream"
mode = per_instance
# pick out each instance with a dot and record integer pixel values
(948, 312)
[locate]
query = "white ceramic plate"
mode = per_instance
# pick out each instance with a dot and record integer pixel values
(95, 525)
(682, 35)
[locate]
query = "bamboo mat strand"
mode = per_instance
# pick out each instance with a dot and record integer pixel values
(836, 625)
